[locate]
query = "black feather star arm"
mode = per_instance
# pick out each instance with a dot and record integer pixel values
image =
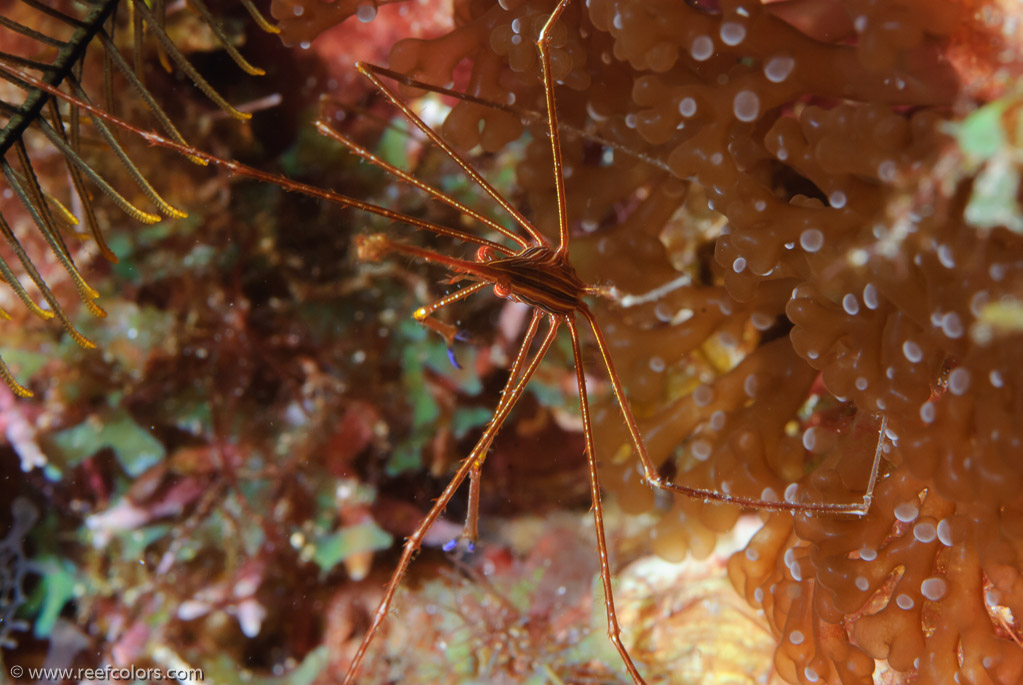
(54, 41)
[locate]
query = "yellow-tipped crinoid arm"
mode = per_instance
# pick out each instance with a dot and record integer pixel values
(5, 373)
(16, 387)
(260, 20)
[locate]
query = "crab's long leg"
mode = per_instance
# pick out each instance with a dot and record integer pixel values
(525, 115)
(652, 477)
(326, 130)
(250, 172)
(543, 44)
(471, 530)
(512, 391)
(375, 246)
(614, 632)
(370, 72)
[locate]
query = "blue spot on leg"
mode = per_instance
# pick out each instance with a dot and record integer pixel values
(460, 336)
(450, 544)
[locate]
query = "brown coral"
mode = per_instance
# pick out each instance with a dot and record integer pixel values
(816, 131)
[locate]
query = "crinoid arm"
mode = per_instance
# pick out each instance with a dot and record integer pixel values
(54, 41)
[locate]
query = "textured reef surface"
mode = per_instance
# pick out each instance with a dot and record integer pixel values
(810, 213)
